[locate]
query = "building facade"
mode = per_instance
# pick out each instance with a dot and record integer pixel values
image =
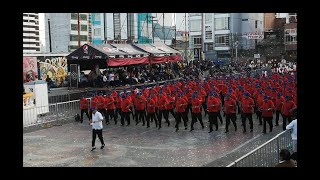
(216, 35)
(31, 36)
(290, 37)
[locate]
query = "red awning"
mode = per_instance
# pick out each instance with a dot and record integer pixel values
(159, 59)
(174, 58)
(127, 61)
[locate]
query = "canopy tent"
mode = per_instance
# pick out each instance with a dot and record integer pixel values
(135, 56)
(174, 54)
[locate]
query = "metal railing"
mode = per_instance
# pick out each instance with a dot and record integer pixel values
(266, 155)
(52, 112)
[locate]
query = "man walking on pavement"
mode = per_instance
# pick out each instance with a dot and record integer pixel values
(84, 108)
(97, 127)
(230, 111)
(247, 105)
(287, 110)
(267, 113)
(196, 103)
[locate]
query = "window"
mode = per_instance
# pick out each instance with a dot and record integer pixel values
(73, 38)
(97, 32)
(209, 46)
(244, 19)
(197, 40)
(208, 32)
(74, 27)
(73, 48)
(208, 18)
(291, 36)
(74, 15)
(83, 27)
(222, 40)
(256, 23)
(83, 38)
(222, 23)
(83, 17)
(194, 14)
(97, 17)
(195, 25)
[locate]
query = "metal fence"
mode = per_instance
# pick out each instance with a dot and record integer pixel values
(43, 114)
(266, 155)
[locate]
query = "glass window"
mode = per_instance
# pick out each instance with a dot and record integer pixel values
(83, 17)
(74, 15)
(291, 36)
(194, 14)
(73, 48)
(256, 24)
(97, 17)
(244, 19)
(74, 27)
(208, 32)
(97, 32)
(197, 40)
(83, 38)
(222, 23)
(208, 17)
(222, 40)
(195, 25)
(73, 38)
(83, 27)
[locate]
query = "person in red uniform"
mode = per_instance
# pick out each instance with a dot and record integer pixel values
(84, 108)
(181, 104)
(230, 111)
(203, 95)
(259, 107)
(102, 107)
(196, 103)
(247, 105)
(267, 113)
(279, 103)
(213, 109)
(170, 106)
(109, 103)
(288, 107)
(118, 100)
(151, 109)
(93, 105)
(162, 102)
(125, 108)
(140, 104)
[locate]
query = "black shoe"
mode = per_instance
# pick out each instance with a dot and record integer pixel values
(102, 146)
(216, 129)
(226, 131)
(128, 124)
(235, 129)
(277, 125)
(251, 130)
(93, 148)
(159, 128)
(143, 124)
(168, 123)
(210, 131)
(191, 129)
(221, 122)
(264, 132)
(260, 124)
(177, 129)
(270, 130)
(202, 127)
(115, 122)
(137, 123)
(148, 126)
(185, 128)
(244, 131)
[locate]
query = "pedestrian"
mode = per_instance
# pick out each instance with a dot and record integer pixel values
(279, 103)
(247, 105)
(110, 107)
(196, 103)
(213, 108)
(170, 107)
(49, 82)
(230, 111)
(285, 160)
(267, 113)
(102, 106)
(140, 104)
(151, 109)
(162, 102)
(84, 108)
(181, 104)
(287, 110)
(97, 127)
(118, 111)
(125, 108)
(293, 126)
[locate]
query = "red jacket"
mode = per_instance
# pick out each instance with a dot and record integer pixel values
(268, 104)
(260, 103)
(118, 102)
(94, 102)
(162, 102)
(125, 105)
(140, 103)
(196, 105)
(101, 104)
(213, 101)
(181, 104)
(171, 101)
(151, 106)
(279, 103)
(109, 100)
(203, 94)
(230, 106)
(247, 105)
(83, 103)
(287, 106)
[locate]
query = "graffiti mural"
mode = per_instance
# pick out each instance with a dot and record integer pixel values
(29, 69)
(54, 67)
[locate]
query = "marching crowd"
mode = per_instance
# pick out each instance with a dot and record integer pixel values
(265, 96)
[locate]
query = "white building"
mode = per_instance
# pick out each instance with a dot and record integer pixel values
(215, 33)
(31, 37)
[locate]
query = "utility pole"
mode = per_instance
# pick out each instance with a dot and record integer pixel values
(201, 52)
(105, 27)
(152, 30)
(164, 37)
(78, 30)
(175, 31)
(49, 35)
(185, 30)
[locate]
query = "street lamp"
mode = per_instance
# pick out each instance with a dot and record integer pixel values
(236, 44)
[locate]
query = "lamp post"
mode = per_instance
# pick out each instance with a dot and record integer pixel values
(236, 44)
(49, 35)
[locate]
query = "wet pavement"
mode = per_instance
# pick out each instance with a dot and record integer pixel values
(135, 145)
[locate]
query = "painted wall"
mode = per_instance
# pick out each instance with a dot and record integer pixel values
(29, 68)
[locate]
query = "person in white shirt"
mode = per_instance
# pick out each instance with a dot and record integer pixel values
(97, 127)
(293, 126)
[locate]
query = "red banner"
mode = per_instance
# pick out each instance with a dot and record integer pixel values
(127, 61)
(159, 59)
(174, 58)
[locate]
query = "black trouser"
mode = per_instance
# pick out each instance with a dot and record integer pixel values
(259, 114)
(196, 116)
(118, 111)
(162, 112)
(213, 120)
(278, 112)
(239, 110)
(233, 118)
(172, 112)
(222, 98)
(189, 106)
(94, 136)
(245, 116)
(219, 116)
(204, 106)
(125, 115)
(104, 113)
(141, 114)
(153, 118)
(110, 112)
(84, 111)
(285, 119)
(265, 119)
(180, 115)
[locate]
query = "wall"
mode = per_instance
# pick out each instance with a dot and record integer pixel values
(29, 68)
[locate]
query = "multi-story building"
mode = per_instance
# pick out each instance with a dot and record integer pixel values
(290, 36)
(64, 31)
(31, 36)
(97, 20)
(216, 34)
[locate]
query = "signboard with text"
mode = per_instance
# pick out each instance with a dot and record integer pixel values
(254, 35)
